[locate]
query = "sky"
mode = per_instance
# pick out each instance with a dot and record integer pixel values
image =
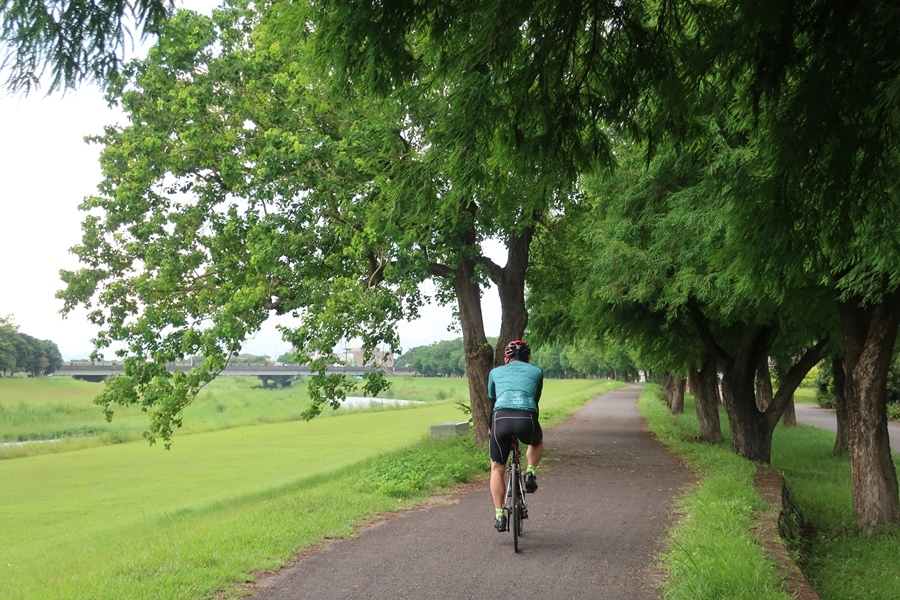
(46, 170)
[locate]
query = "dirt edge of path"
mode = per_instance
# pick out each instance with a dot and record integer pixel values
(780, 520)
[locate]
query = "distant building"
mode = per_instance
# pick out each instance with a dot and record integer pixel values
(353, 357)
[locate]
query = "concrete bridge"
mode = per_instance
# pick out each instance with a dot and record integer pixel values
(278, 375)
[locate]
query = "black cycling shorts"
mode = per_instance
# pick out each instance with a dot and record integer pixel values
(506, 423)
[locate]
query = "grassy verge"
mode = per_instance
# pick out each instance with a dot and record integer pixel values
(133, 521)
(806, 396)
(714, 551)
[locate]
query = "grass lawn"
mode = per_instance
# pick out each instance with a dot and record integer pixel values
(134, 521)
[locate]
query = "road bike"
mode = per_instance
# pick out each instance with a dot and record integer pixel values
(514, 503)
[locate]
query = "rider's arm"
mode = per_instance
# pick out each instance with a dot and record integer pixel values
(492, 390)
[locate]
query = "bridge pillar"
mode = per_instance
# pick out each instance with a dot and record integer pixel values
(92, 378)
(278, 381)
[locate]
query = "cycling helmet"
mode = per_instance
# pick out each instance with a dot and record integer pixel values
(518, 350)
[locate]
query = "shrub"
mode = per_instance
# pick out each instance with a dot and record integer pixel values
(824, 385)
(893, 380)
(893, 411)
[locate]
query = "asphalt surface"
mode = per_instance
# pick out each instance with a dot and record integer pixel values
(826, 418)
(595, 527)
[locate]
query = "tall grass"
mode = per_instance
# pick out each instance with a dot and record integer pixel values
(134, 521)
(714, 552)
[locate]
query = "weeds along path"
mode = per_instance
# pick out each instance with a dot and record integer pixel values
(594, 530)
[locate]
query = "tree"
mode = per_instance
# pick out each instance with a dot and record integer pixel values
(673, 386)
(703, 380)
(811, 87)
(45, 357)
(550, 359)
(76, 40)
(8, 335)
(587, 359)
(246, 184)
(288, 358)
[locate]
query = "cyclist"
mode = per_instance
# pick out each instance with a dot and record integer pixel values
(514, 390)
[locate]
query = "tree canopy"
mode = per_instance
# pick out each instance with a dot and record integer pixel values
(249, 183)
(75, 40)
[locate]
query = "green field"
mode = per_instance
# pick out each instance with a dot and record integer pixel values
(62, 408)
(130, 520)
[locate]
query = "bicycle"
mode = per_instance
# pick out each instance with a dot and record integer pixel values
(514, 502)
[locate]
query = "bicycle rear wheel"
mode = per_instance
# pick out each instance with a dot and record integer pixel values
(515, 516)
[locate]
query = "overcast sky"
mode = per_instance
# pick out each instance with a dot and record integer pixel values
(47, 169)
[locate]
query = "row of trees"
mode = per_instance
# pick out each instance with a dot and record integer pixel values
(710, 185)
(762, 237)
(585, 360)
(20, 352)
(447, 359)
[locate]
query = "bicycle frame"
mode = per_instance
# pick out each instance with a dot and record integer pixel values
(514, 503)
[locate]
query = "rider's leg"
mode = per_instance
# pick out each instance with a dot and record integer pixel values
(498, 483)
(534, 453)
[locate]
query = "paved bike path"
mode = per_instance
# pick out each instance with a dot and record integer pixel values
(826, 418)
(594, 530)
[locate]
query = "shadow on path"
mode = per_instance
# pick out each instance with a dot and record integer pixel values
(595, 527)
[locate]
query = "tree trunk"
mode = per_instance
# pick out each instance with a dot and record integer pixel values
(478, 352)
(673, 386)
(510, 282)
(789, 416)
(869, 336)
(840, 406)
(751, 431)
(764, 394)
(677, 402)
(751, 428)
(705, 387)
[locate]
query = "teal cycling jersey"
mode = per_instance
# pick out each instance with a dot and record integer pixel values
(516, 385)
